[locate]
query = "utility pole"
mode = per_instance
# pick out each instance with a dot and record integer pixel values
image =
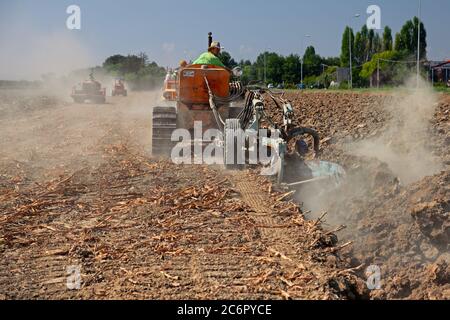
(418, 43)
(350, 79)
(432, 75)
(323, 75)
(378, 73)
(350, 49)
(265, 67)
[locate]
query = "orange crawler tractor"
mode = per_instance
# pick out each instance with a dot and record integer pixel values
(170, 86)
(187, 99)
(119, 88)
(89, 90)
(206, 94)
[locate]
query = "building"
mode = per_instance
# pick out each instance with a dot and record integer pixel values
(439, 71)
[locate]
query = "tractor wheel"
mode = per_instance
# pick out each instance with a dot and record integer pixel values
(233, 135)
(164, 122)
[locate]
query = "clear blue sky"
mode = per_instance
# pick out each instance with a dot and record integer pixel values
(170, 30)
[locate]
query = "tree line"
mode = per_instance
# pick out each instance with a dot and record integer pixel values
(136, 70)
(370, 49)
(368, 46)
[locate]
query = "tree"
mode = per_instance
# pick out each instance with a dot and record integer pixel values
(387, 39)
(133, 64)
(291, 69)
(365, 42)
(331, 61)
(406, 39)
(311, 62)
(249, 73)
(113, 64)
(377, 44)
(227, 60)
(360, 48)
(370, 45)
(244, 63)
(371, 66)
(136, 69)
(347, 41)
(144, 58)
(389, 72)
(423, 38)
(114, 60)
(273, 66)
(398, 43)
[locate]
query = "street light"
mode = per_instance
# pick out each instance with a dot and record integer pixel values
(350, 49)
(323, 73)
(418, 43)
(265, 65)
(265, 68)
(302, 55)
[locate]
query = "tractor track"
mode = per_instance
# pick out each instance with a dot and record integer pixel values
(281, 239)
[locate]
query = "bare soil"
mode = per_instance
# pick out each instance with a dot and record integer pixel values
(404, 228)
(79, 189)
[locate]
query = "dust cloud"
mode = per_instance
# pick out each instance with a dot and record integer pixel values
(43, 128)
(49, 56)
(27, 54)
(398, 156)
(43, 132)
(404, 143)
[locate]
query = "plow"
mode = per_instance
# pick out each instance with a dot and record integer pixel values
(244, 133)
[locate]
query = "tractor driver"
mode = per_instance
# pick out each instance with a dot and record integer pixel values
(212, 56)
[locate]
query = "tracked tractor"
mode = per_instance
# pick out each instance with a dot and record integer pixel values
(211, 96)
(89, 90)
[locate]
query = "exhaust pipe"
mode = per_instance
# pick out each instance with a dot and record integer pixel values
(209, 39)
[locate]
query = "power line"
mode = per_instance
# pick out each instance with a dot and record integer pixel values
(397, 61)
